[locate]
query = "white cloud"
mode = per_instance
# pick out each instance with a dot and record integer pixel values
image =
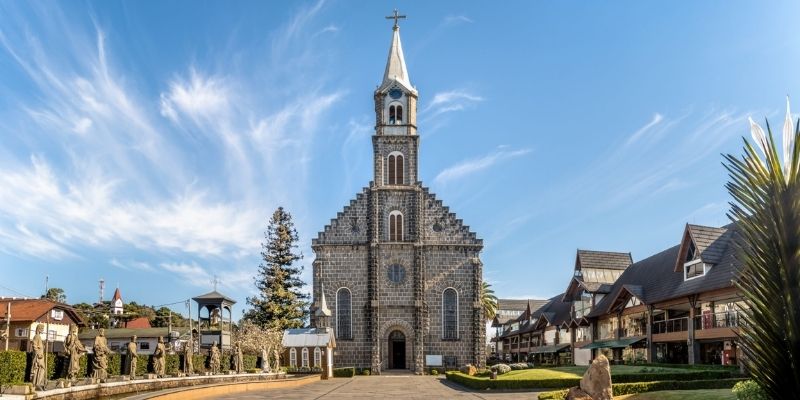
(641, 132)
(131, 265)
(190, 273)
(472, 166)
(453, 100)
(198, 97)
(454, 19)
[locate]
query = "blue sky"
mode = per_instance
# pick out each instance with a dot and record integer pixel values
(147, 143)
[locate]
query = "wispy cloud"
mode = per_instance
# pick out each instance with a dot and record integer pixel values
(641, 132)
(472, 166)
(449, 101)
(455, 19)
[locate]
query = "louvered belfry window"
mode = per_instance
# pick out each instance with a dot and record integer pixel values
(395, 169)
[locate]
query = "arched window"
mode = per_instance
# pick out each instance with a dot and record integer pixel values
(344, 314)
(399, 115)
(395, 166)
(395, 226)
(305, 357)
(449, 314)
(317, 357)
(292, 357)
(391, 115)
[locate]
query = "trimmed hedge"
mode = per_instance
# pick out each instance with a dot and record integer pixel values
(12, 368)
(480, 383)
(643, 387)
(347, 372)
(749, 390)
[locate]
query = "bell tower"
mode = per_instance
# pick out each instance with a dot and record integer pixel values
(395, 142)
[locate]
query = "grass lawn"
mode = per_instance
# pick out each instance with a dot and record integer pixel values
(706, 394)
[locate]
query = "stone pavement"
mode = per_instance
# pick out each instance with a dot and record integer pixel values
(392, 387)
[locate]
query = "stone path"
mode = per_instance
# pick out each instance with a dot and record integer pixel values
(393, 387)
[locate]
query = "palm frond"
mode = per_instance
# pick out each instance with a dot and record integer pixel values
(766, 209)
(489, 301)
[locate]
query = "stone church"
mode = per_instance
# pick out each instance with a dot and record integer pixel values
(397, 275)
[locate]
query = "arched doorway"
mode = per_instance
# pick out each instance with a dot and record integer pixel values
(397, 350)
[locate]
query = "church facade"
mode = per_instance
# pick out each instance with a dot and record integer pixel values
(397, 275)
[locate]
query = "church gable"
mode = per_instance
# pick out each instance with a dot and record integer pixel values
(349, 226)
(442, 226)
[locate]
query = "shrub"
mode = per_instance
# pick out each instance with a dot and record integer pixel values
(531, 365)
(501, 368)
(347, 372)
(12, 368)
(365, 372)
(434, 372)
(652, 375)
(642, 387)
(749, 390)
(518, 366)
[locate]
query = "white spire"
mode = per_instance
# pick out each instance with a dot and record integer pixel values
(396, 63)
(323, 310)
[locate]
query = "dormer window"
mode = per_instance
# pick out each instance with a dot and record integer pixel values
(694, 269)
(691, 252)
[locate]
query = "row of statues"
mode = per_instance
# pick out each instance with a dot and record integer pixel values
(74, 350)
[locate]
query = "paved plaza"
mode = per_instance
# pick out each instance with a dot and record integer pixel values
(394, 387)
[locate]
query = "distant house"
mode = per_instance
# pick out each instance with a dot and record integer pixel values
(138, 323)
(27, 313)
(508, 310)
(309, 348)
(146, 338)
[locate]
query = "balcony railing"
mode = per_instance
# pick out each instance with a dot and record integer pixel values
(725, 319)
(671, 325)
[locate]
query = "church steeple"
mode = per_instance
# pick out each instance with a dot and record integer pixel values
(396, 142)
(396, 70)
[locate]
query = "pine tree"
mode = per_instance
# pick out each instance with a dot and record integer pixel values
(279, 304)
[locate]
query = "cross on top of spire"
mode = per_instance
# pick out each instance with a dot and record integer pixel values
(396, 17)
(215, 282)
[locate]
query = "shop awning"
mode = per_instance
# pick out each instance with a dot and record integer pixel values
(614, 343)
(548, 349)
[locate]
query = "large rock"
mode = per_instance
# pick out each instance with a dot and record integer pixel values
(469, 369)
(576, 393)
(596, 382)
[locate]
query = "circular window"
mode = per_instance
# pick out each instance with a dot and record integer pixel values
(437, 227)
(396, 273)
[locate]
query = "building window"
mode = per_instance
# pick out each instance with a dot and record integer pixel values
(449, 314)
(395, 114)
(317, 357)
(691, 252)
(305, 357)
(344, 314)
(694, 269)
(293, 357)
(396, 273)
(144, 345)
(395, 226)
(395, 168)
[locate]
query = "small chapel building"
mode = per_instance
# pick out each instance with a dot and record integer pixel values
(400, 272)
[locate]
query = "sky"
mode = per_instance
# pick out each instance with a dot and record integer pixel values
(147, 143)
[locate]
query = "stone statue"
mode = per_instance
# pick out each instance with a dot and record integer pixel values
(74, 349)
(159, 358)
(215, 317)
(213, 353)
(277, 361)
(131, 358)
(100, 359)
(38, 366)
(237, 357)
(188, 352)
(264, 360)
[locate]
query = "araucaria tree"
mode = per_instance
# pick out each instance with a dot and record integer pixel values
(767, 210)
(280, 303)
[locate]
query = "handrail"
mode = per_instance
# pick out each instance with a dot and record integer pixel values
(671, 325)
(724, 319)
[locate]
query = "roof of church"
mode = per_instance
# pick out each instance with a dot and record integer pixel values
(117, 295)
(308, 337)
(396, 70)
